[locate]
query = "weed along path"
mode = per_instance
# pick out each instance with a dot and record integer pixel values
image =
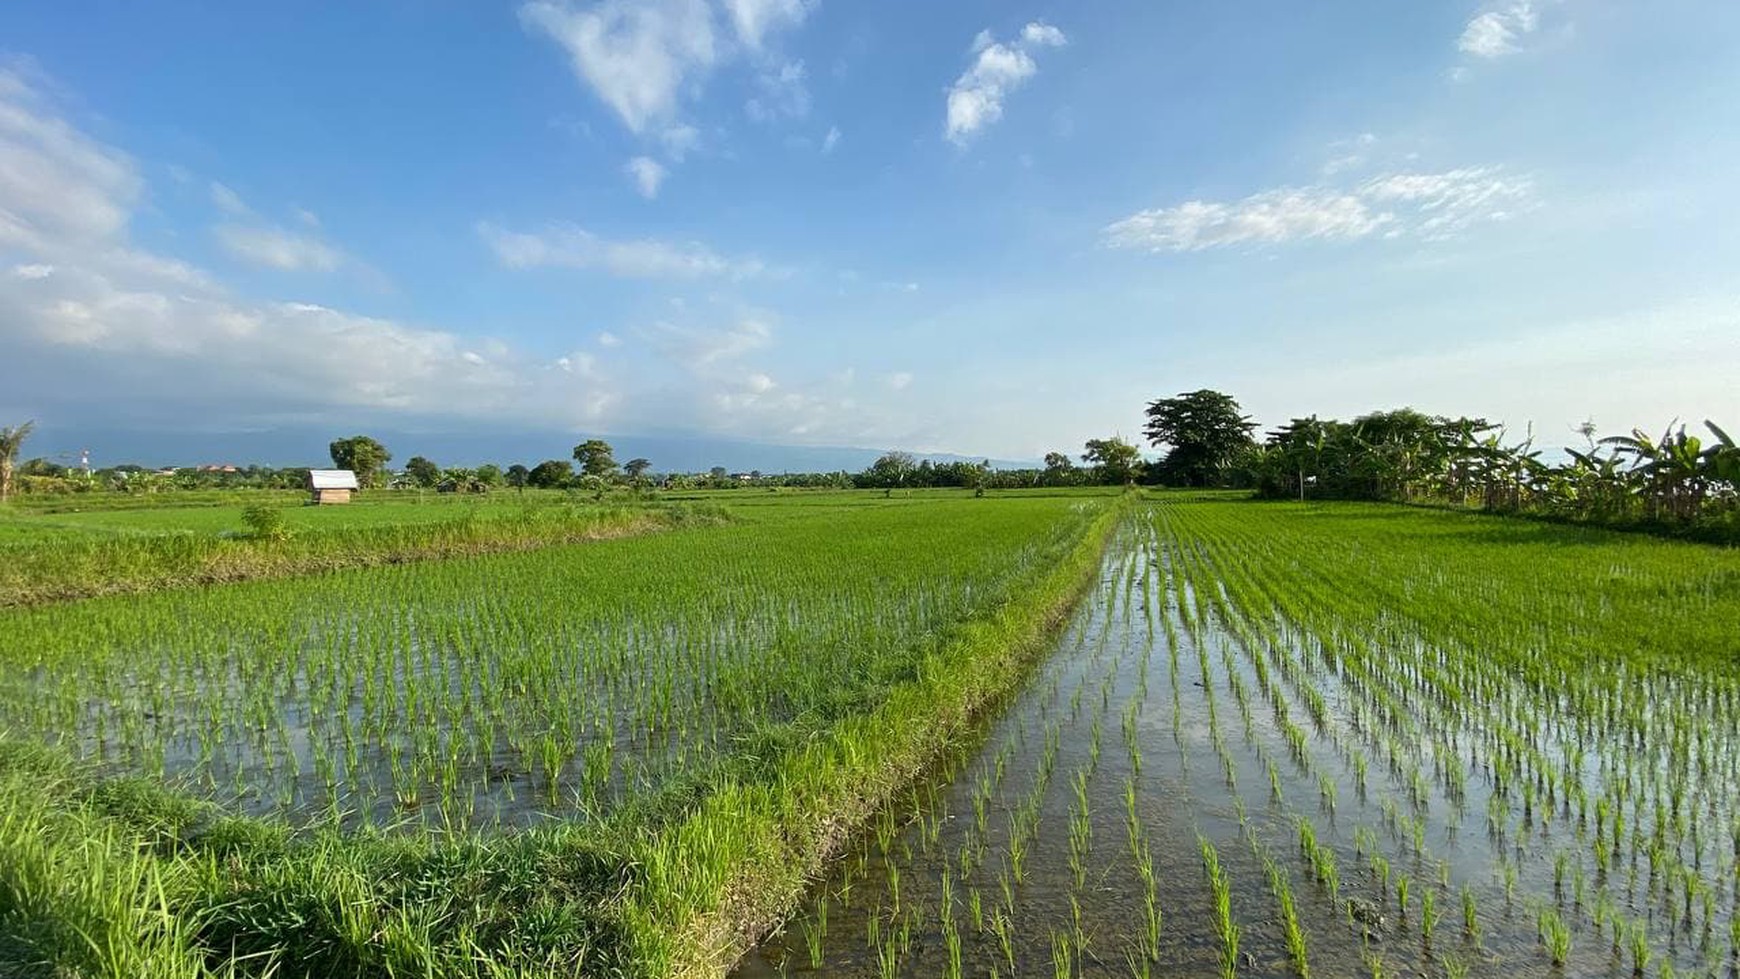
(1337, 741)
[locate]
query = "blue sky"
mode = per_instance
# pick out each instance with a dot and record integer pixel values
(988, 228)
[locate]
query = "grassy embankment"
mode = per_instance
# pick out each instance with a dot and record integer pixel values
(927, 612)
(51, 559)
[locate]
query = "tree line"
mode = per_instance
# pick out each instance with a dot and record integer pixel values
(1685, 479)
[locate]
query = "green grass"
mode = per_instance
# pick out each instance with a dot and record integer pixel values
(50, 568)
(102, 515)
(625, 757)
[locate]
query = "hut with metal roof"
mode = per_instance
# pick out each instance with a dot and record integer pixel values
(331, 485)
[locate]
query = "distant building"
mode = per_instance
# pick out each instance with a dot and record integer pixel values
(331, 485)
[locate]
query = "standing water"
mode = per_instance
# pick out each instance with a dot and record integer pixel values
(1195, 784)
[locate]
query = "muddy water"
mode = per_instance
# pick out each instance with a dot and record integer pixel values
(1155, 728)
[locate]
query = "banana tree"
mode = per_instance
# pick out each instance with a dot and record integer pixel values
(1672, 468)
(11, 440)
(1722, 465)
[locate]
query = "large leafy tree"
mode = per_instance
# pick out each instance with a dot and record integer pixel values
(11, 440)
(891, 470)
(1114, 460)
(424, 472)
(1205, 434)
(550, 474)
(361, 455)
(595, 458)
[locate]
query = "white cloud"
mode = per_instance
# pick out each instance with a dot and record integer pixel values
(137, 328)
(754, 20)
(1041, 34)
(1499, 30)
(782, 93)
(644, 57)
(900, 380)
(570, 246)
(831, 140)
(976, 98)
(277, 248)
(702, 348)
(1428, 205)
(1351, 154)
(228, 201)
(637, 55)
(759, 383)
(58, 185)
(647, 173)
(609, 339)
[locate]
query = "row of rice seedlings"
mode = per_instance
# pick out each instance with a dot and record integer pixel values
(512, 684)
(1556, 781)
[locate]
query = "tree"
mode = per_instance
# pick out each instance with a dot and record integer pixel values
(595, 459)
(550, 474)
(361, 455)
(635, 468)
(11, 440)
(489, 475)
(518, 476)
(892, 469)
(1114, 459)
(1204, 433)
(1059, 469)
(423, 472)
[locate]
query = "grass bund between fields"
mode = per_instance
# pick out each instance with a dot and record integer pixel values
(783, 675)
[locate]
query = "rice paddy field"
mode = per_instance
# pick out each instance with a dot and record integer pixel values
(83, 518)
(1331, 740)
(842, 734)
(568, 760)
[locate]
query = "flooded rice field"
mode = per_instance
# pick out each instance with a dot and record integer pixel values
(1230, 765)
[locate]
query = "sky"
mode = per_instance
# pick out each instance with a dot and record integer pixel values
(989, 228)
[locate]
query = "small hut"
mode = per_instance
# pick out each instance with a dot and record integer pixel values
(330, 485)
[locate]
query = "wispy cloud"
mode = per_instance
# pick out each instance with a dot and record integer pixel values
(228, 201)
(976, 98)
(1426, 205)
(276, 248)
(643, 57)
(570, 246)
(1499, 30)
(754, 20)
(782, 92)
(647, 174)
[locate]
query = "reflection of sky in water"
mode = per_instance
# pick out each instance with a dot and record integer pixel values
(1182, 789)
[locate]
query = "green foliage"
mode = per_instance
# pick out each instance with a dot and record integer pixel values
(1676, 481)
(550, 474)
(595, 458)
(1115, 461)
(361, 455)
(1205, 434)
(423, 472)
(265, 522)
(11, 440)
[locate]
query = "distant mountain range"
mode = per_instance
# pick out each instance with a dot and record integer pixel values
(307, 447)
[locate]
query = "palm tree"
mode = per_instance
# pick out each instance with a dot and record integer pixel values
(10, 441)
